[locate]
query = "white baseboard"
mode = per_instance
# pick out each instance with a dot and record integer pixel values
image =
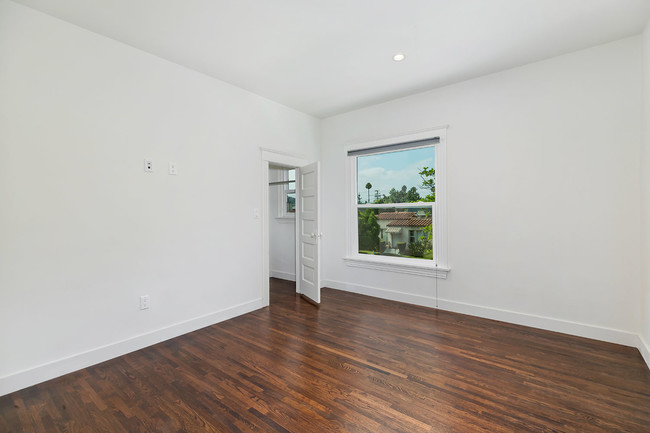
(566, 327)
(283, 275)
(644, 348)
(50, 370)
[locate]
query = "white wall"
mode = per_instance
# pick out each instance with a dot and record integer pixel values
(645, 203)
(84, 231)
(543, 186)
(282, 234)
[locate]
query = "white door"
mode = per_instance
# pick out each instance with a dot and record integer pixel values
(308, 253)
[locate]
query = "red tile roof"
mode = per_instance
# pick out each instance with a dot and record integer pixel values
(411, 222)
(395, 215)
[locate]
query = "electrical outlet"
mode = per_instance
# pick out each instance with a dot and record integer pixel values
(148, 165)
(173, 169)
(144, 302)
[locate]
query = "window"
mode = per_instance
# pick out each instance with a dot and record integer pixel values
(412, 236)
(287, 194)
(396, 194)
(397, 205)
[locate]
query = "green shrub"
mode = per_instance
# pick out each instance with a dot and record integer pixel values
(418, 248)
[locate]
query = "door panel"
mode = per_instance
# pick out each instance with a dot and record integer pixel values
(308, 250)
(307, 227)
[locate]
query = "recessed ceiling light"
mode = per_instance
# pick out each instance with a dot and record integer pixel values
(399, 57)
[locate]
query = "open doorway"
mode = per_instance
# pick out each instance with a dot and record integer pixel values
(282, 230)
(306, 204)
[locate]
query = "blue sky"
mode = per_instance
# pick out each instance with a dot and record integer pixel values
(392, 170)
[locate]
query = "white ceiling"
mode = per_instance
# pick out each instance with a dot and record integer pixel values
(330, 56)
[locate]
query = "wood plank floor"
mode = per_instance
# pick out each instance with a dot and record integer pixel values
(357, 364)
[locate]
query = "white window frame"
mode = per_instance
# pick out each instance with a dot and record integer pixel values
(437, 268)
(283, 192)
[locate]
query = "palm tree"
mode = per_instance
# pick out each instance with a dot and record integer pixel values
(368, 186)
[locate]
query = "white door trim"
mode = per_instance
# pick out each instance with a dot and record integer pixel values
(271, 157)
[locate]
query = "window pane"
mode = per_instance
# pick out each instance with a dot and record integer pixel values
(291, 202)
(292, 174)
(291, 186)
(398, 232)
(405, 176)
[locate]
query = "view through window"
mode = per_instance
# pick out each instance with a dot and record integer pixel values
(290, 193)
(395, 202)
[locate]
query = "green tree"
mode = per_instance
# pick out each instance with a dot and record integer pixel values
(368, 186)
(412, 195)
(427, 238)
(368, 230)
(428, 176)
(401, 196)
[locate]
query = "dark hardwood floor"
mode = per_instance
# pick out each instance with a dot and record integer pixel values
(356, 364)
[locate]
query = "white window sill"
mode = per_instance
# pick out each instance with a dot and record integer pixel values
(286, 219)
(397, 265)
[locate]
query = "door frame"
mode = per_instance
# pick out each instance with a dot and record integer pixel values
(272, 157)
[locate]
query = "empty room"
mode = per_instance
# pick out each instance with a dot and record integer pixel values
(342, 216)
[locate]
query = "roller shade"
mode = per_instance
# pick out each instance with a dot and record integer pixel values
(395, 147)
